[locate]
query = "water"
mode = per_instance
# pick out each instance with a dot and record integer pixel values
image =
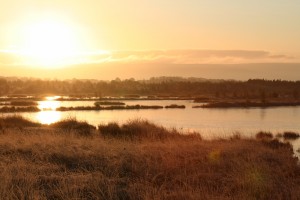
(210, 122)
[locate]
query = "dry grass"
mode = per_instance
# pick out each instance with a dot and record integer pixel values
(73, 125)
(264, 135)
(16, 121)
(139, 129)
(290, 135)
(45, 164)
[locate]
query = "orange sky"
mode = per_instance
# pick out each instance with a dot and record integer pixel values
(58, 33)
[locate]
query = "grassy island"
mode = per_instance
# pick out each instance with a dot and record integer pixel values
(239, 104)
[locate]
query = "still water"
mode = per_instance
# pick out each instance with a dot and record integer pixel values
(210, 122)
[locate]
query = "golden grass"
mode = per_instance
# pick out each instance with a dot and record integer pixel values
(16, 121)
(43, 163)
(139, 129)
(73, 125)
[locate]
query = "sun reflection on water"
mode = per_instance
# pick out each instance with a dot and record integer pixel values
(48, 117)
(50, 104)
(52, 98)
(48, 112)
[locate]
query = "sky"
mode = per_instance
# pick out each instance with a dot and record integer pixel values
(63, 35)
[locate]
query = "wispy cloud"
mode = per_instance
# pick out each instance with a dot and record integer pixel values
(162, 57)
(199, 56)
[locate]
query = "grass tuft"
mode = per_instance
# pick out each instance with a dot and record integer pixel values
(290, 135)
(73, 125)
(16, 121)
(140, 129)
(264, 135)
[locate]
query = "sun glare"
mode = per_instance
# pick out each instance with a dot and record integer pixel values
(48, 105)
(48, 112)
(50, 42)
(48, 117)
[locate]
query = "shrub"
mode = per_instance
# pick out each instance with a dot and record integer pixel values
(276, 144)
(142, 107)
(72, 124)
(264, 135)
(17, 121)
(112, 129)
(137, 129)
(290, 135)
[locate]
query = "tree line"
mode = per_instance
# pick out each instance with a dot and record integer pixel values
(252, 88)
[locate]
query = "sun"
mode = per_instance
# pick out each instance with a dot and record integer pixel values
(50, 42)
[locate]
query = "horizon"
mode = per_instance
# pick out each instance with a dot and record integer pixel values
(108, 71)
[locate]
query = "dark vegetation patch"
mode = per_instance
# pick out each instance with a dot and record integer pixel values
(175, 106)
(290, 135)
(133, 107)
(109, 103)
(23, 103)
(264, 135)
(276, 144)
(246, 104)
(12, 109)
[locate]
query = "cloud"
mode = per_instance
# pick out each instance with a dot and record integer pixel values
(196, 57)
(163, 57)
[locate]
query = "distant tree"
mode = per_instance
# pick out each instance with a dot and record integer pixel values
(263, 96)
(117, 79)
(296, 94)
(234, 94)
(275, 95)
